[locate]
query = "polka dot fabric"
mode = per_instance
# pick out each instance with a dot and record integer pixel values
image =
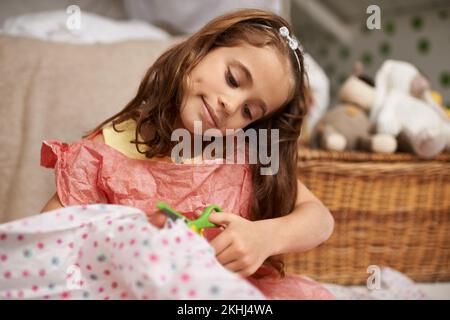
(110, 252)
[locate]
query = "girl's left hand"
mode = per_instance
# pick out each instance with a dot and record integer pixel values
(243, 246)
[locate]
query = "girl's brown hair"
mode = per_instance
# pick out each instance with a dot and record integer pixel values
(157, 103)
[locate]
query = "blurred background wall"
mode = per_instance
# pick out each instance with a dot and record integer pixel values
(417, 31)
(108, 8)
(333, 32)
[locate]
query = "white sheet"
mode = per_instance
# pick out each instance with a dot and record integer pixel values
(393, 285)
(52, 26)
(110, 252)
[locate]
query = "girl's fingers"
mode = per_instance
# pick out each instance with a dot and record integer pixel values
(157, 220)
(221, 242)
(244, 273)
(222, 218)
(226, 256)
(234, 266)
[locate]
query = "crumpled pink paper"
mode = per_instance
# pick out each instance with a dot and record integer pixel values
(89, 171)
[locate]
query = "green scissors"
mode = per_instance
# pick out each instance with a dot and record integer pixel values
(197, 225)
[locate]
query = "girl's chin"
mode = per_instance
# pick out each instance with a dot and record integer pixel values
(199, 126)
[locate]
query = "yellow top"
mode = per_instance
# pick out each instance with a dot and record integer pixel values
(121, 140)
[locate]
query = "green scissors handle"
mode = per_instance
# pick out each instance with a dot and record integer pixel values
(198, 224)
(203, 222)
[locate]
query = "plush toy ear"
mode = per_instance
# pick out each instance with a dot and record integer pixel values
(419, 85)
(358, 69)
(357, 92)
(367, 79)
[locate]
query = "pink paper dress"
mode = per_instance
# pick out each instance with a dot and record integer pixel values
(90, 171)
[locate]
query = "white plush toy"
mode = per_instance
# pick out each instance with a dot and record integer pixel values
(404, 108)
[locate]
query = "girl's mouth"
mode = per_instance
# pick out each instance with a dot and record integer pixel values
(208, 114)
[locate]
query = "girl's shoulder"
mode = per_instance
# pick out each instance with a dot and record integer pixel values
(120, 141)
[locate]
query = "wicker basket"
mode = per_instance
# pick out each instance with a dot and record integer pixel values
(390, 210)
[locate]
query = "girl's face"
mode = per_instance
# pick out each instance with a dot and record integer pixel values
(232, 87)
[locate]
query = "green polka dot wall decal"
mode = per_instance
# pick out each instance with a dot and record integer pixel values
(341, 79)
(445, 79)
(389, 28)
(385, 48)
(323, 51)
(443, 14)
(330, 69)
(367, 58)
(417, 23)
(423, 46)
(344, 53)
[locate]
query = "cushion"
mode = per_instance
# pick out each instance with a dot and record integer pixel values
(58, 91)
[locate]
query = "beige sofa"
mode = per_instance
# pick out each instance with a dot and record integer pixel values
(59, 91)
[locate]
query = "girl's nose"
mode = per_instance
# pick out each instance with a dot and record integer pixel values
(229, 106)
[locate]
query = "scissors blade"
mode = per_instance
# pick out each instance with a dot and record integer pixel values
(171, 214)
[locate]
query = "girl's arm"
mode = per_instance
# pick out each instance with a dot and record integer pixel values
(244, 245)
(52, 204)
(306, 227)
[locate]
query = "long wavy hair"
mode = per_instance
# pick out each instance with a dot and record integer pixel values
(160, 94)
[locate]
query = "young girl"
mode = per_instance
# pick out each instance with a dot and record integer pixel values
(241, 70)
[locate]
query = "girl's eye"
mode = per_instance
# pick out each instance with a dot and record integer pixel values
(247, 112)
(231, 80)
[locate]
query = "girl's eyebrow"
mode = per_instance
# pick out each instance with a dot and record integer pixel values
(248, 76)
(244, 69)
(263, 107)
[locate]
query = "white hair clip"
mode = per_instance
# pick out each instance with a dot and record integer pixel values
(292, 41)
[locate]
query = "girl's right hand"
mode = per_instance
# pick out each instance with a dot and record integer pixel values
(158, 219)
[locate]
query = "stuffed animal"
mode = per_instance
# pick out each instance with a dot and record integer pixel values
(404, 107)
(347, 126)
(437, 98)
(318, 97)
